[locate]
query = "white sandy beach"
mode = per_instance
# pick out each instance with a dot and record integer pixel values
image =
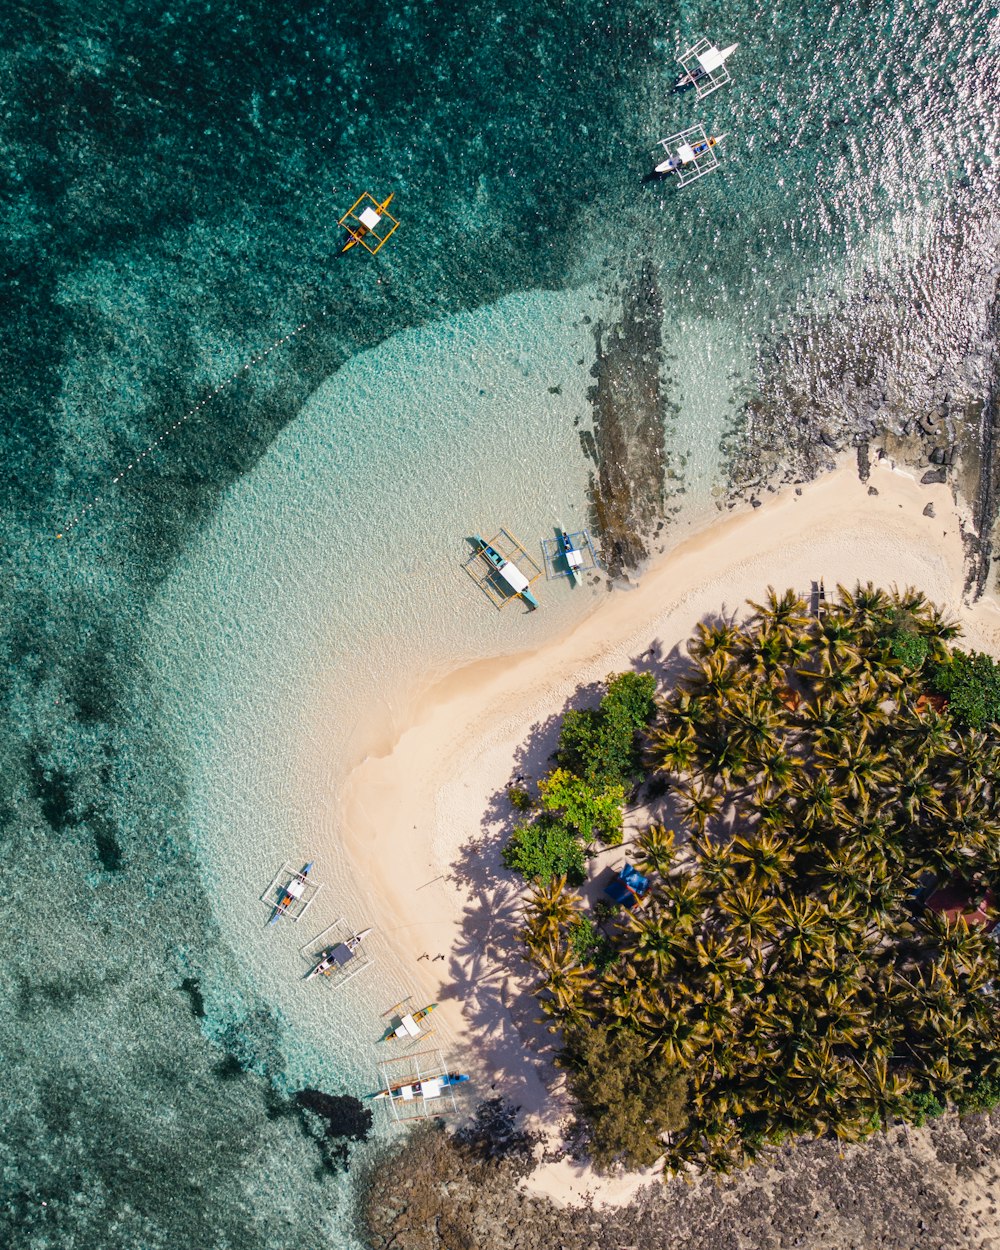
(426, 817)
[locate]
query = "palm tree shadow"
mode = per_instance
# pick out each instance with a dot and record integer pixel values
(493, 983)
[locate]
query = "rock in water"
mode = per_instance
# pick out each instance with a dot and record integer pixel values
(628, 488)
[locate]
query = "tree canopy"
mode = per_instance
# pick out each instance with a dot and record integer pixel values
(784, 975)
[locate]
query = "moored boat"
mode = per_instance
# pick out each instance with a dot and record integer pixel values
(509, 571)
(406, 1025)
(572, 557)
(291, 893)
(368, 218)
(338, 956)
(427, 1087)
(707, 60)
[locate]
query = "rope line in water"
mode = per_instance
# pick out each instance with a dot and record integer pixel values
(91, 504)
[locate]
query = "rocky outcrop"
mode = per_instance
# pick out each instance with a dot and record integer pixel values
(627, 487)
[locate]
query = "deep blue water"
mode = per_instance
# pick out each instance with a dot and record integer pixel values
(172, 175)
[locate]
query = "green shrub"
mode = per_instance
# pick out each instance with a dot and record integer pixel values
(971, 684)
(628, 1096)
(590, 945)
(591, 812)
(601, 744)
(981, 1093)
(925, 1107)
(544, 849)
(520, 799)
(910, 649)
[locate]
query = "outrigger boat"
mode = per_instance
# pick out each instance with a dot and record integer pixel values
(408, 1026)
(509, 571)
(687, 154)
(367, 219)
(292, 892)
(336, 957)
(428, 1087)
(572, 557)
(705, 60)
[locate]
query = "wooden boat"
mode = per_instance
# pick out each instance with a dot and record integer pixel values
(426, 1088)
(510, 573)
(292, 892)
(338, 956)
(572, 557)
(358, 233)
(408, 1025)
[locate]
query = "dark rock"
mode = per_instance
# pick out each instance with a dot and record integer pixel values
(928, 423)
(872, 490)
(755, 502)
(929, 510)
(864, 460)
(939, 455)
(827, 439)
(798, 490)
(933, 476)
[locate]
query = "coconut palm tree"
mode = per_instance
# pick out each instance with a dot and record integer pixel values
(762, 858)
(786, 615)
(716, 638)
(654, 849)
(673, 750)
(564, 979)
(700, 802)
(751, 915)
(548, 910)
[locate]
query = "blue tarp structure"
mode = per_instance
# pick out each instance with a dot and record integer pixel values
(628, 887)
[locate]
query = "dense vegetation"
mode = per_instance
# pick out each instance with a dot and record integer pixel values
(599, 763)
(784, 975)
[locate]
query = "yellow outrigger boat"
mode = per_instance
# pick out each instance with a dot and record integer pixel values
(364, 227)
(405, 1026)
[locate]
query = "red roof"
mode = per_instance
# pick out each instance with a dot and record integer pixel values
(957, 901)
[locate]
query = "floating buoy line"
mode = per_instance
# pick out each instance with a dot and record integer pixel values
(158, 442)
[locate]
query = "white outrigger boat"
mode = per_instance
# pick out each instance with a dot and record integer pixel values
(690, 155)
(514, 582)
(704, 68)
(335, 958)
(428, 1087)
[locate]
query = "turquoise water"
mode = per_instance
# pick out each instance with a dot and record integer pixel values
(182, 671)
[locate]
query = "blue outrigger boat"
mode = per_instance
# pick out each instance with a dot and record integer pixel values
(510, 573)
(572, 557)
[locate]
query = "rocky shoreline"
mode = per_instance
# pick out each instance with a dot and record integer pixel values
(935, 1188)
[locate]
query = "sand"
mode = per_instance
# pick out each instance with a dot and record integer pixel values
(427, 816)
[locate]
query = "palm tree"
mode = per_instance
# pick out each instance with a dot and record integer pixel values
(700, 801)
(786, 616)
(564, 978)
(866, 607)
(763, 858)
(802, 927)
(751, 915)
(835, 643)
(716, 638)
(859, 768)
(547, 910)
(673, 750)
(654, 849)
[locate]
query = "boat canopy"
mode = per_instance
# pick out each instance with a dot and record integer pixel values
(368, 217)
(432, 1088)
(407, 1027)
(514, 578)
(709, 60)
(686, 153)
